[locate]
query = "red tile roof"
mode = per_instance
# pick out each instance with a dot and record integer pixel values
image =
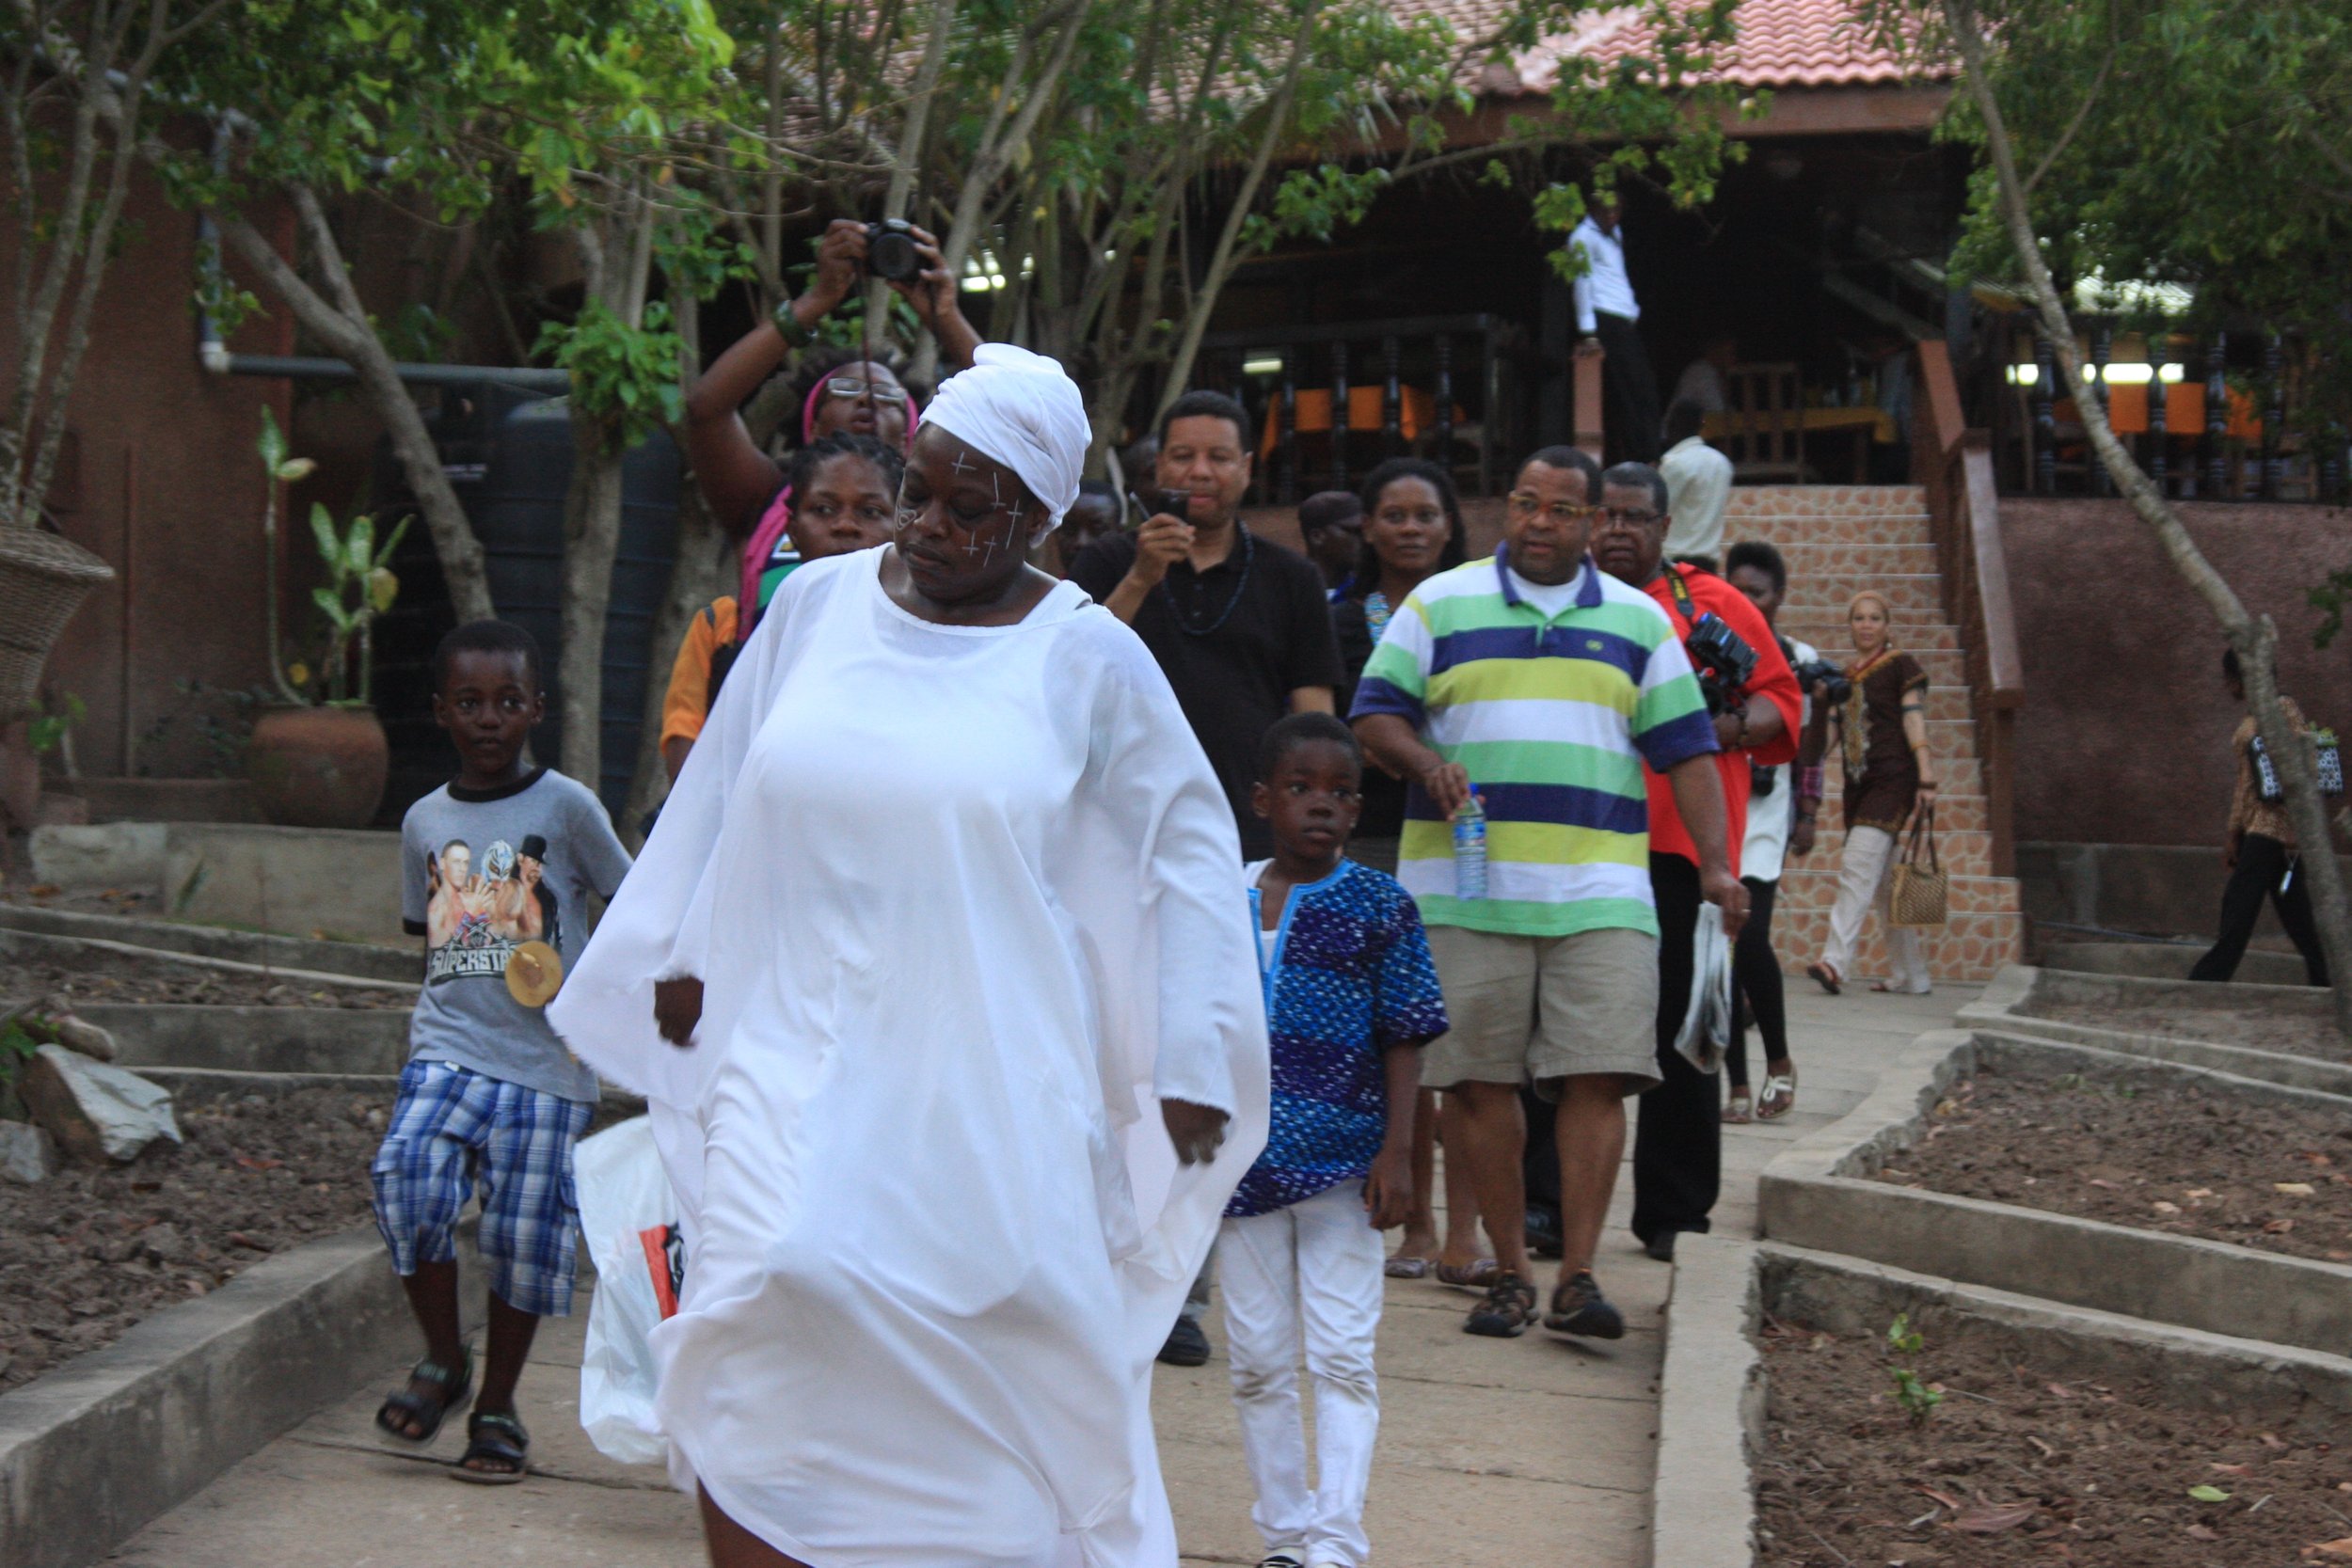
(1780, 43)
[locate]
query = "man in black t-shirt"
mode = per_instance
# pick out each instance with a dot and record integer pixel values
(1241, 628)
(1239, 624)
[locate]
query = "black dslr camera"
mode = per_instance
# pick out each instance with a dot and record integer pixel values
(1820, 675)
(890, 253)
(1723, 659)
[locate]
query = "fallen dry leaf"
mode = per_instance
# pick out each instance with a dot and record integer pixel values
(2098, 1182)
(2279, 1228)
(2292, 1189)
(2199, 1532)
(2197, 1192)
(250, 1163)
(2341, 1548)
(1992, 1518)
(2231, 1469)
(1944, 1498)
(2163, 1208)
(2270, 1440)
(2060, 1390)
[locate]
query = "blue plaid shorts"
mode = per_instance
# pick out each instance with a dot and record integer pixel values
(455, 1130)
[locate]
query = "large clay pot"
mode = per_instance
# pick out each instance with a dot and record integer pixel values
(318, 766)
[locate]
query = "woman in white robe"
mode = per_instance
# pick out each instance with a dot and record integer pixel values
(947, 905)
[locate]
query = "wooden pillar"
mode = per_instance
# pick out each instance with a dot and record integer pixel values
(2102, 349)
(1287, 434)
(2045, 414)
(1444, 390)
(2274, 416)
(1589, 430)
(1338, 415)
(2217, 417)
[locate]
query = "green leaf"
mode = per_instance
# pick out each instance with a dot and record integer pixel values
(359, 547)
(333, 606)
(383, 588)
(272, 446)
(2209, 1494)
(330, 546)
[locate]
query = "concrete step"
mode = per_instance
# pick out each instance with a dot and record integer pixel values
(1827, 500)
(1810, 558)
(1955, 813)
(1964, 852)
(1812, 888)
(1826, 629)
(1916, 595)
(1971, 946)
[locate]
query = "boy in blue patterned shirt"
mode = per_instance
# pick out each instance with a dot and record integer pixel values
(1351, 998)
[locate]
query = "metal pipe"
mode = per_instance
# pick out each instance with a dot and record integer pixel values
(307, 368)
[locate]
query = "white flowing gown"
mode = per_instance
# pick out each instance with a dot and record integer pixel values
(966, 902)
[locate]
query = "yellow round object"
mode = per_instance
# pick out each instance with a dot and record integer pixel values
(534, 973)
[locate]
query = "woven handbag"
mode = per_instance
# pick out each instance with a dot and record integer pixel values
(1921, 891)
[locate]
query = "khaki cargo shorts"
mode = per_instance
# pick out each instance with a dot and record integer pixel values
(1531, 1009)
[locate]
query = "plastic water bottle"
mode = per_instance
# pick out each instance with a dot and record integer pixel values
(1469, 849)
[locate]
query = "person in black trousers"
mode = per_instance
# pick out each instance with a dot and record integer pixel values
(2262, 860)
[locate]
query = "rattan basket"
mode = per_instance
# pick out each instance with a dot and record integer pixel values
(43, 579)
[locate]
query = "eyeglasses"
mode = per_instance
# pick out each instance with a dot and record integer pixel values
(858, 390)
(1523, 504)
(1619, 517)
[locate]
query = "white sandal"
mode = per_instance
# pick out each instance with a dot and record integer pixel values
(1735, 1111)
(1779, 1097)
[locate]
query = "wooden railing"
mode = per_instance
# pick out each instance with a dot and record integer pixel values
(1440, 362)
(1955, 465)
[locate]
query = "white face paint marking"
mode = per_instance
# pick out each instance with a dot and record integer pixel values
(960, 465)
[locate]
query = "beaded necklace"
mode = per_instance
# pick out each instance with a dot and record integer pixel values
(1377, 614)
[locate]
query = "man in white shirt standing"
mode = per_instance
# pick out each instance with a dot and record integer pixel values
(1698, 485)
(1606, 312)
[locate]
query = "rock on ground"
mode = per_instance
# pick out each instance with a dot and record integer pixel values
(28, 1154)
(95, 1112)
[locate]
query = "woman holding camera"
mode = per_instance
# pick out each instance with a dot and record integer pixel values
(1890, 778)
(838, 391)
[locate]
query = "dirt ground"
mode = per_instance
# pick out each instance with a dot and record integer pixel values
(2256, 1028)
(51, 988)
(2015, 1468)
(90, 1251)
(2189, 1161)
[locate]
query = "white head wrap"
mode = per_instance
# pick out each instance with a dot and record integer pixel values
(1022, 410)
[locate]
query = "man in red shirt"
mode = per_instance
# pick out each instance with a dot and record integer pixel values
(1678, 1143)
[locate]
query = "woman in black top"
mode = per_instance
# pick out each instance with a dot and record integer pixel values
(1412, 530)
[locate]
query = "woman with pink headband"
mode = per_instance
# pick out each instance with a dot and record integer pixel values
(743, 484)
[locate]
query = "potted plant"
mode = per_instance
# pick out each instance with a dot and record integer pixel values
(318, 757)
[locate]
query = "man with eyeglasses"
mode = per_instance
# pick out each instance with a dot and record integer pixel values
(1677, 1145)
(1240, 625)
(1545, 687)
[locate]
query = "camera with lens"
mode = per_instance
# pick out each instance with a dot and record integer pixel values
(1724, 661)
(890, 253)
(1827, 680)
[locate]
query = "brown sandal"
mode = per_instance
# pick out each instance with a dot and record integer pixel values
(1828, 978)
(1480, 1275)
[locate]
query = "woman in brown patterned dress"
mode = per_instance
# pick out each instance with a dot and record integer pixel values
(1883, 736)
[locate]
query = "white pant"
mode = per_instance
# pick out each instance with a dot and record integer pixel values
(1867, 866)
(1317, 1264)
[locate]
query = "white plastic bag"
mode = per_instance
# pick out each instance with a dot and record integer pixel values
(1707, 1026)
(629, 1217)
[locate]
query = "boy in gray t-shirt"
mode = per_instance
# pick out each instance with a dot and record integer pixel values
(496, 870)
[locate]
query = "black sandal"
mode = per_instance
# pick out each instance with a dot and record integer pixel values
(495, 1436)
(1509, 1308)
(404, 1407)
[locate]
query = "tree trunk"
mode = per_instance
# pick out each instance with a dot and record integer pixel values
(616, 245)
(351, 338)
(2255, 638)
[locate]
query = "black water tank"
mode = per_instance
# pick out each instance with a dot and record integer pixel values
(520, 524)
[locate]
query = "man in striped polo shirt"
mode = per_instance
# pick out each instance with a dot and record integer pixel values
(1545, 686)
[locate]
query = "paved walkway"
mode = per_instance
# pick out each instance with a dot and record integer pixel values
(1529, 1451)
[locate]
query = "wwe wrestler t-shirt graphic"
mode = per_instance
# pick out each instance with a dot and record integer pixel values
(482, 872)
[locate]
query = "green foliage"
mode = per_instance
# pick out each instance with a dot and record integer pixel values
(2203, 142)
(1917, 1399)
(20, 1036)
(2331, 596)
(359, 586)
(625, 376)
(46, 730)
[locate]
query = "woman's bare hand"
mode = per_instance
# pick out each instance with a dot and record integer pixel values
(678, 1007)
(1197, 1130)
